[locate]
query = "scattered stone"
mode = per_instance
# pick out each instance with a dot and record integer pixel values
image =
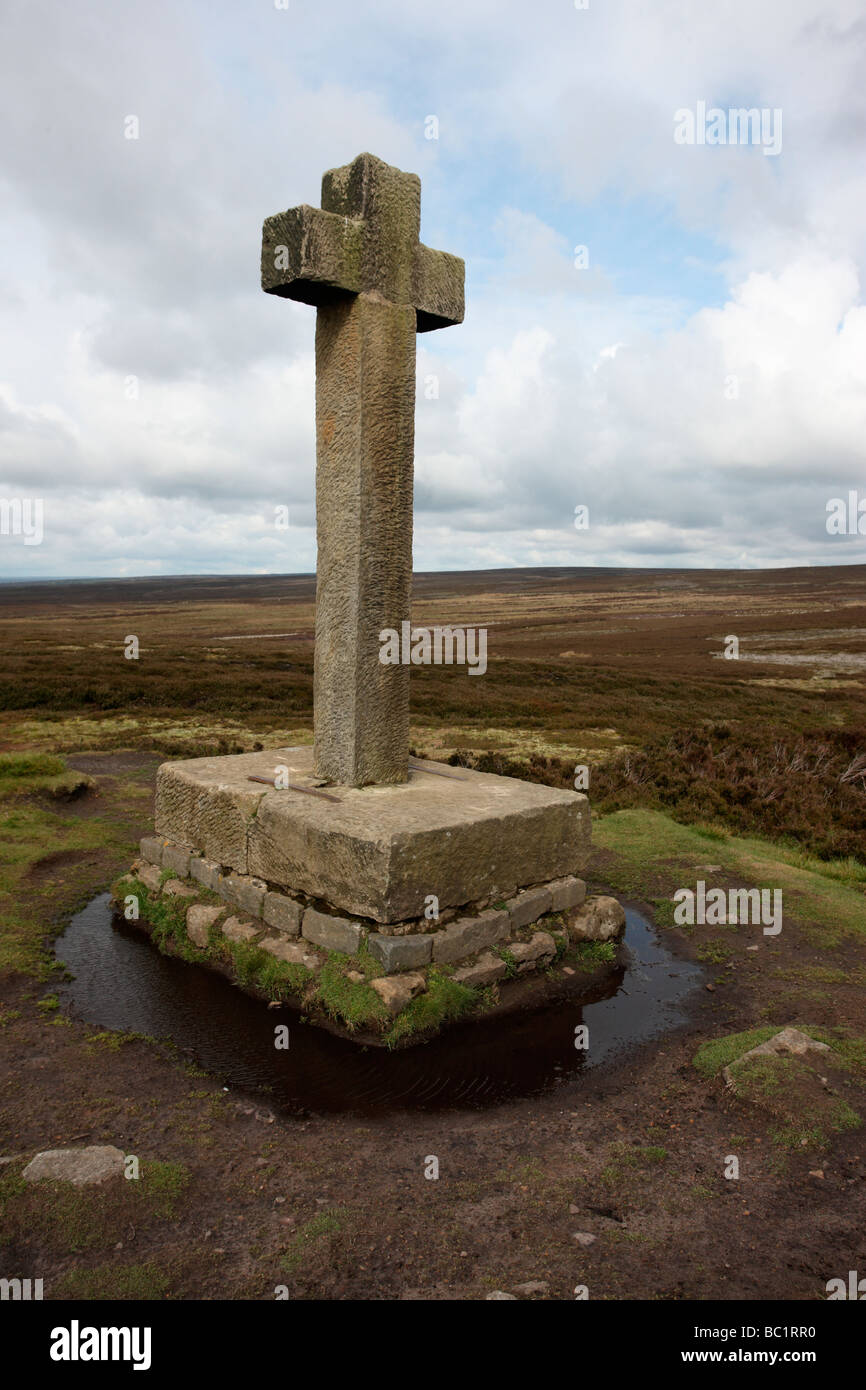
(584, 1238)
(246, 893)
(566, 893)
(498, 1295)
(150, 877)
(786, 1040)
(485, 971)
(176, 858)
(396, 991)
(470, 935)
(356, 977)
(600, 919)
(151, 849)
(236, 930)
(282, 913)
(292, 952)
(206, 872)
(528, 906)
(532, 1287)
(176, 888)
(331, 933)
(528, 955)
(199, 920)
(708, 868)
(94, 1164)
(401, 952)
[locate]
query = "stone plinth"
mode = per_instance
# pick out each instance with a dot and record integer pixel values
(378, 851)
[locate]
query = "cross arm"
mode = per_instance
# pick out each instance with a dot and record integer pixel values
(311, 255)
(437, 284)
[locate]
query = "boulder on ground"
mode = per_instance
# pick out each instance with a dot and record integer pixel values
(599, 919)
(94, 1164)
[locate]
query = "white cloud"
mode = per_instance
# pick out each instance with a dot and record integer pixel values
(139, 258)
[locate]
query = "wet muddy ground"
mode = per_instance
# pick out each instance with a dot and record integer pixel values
(608, 1173)
(121, 981)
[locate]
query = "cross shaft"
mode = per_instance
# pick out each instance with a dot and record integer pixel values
(374, 284)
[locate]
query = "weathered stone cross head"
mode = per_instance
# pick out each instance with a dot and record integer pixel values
(359, 261)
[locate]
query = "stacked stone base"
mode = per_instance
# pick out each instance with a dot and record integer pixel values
(483, 944)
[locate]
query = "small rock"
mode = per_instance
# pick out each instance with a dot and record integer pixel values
(497, 1295)
(532, 1287)
(396, 953)
(330, 932)
(528, 955)
(566, 893)
(292, 952)
(396, 991)
(94, 1164)
(283, 913)
(150, 876)
(788, 1039)
(528, 906)
(176, 858)
(600, 919)
(584, 1238)
(199, 919)
(176, 888)
(485, 971)
(235, 930)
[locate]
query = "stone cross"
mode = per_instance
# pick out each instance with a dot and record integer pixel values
(359, 261)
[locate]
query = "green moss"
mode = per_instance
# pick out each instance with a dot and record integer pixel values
(444, 1001)
(593, 953)
(327, 1223)
(510, 963)
(33, 894)
(789, 1087)
(714, 952)
(161, 1186)
(138, 1283)
(352, 1002)
(26, 774)
(20, 767)
(713, 1056)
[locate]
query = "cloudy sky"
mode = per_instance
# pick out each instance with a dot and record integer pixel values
(695, 376)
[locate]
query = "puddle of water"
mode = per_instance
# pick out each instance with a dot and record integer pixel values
(121, 981)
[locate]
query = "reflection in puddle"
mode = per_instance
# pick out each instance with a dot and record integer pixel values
(123, 982)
